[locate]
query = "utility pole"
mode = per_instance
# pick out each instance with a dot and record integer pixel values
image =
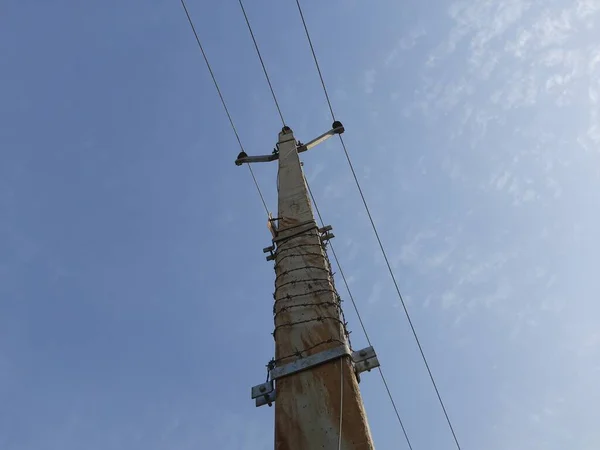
(314, 376)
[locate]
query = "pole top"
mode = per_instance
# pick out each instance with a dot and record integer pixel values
(336, 128)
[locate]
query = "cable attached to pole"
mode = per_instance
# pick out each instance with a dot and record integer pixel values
(362, 324)
(237, 136)
(385, 257)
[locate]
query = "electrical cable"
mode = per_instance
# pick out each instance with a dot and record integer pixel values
(262, 63)
(362, 324)
(377, 233)
(237, 136)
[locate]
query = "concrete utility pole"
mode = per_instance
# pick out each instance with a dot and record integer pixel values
(316, 394)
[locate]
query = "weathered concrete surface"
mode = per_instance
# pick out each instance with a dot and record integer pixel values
(307, 409)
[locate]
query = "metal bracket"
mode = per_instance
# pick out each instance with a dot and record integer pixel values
(264, 394)
(365, 360)
(244, 158)
(336, 128)
(327, 236)
(302, 364)
(270, 250)
(325, 233)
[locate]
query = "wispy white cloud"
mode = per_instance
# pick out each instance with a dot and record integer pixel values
(593, 132)
(376, 291)
(408, 42)
(519, 79)
(518, 47)
(587, 8)
(334, 190)
(553, 28)
(369, 80)
(507, 13)
(410, 252)
(519, 91)
(404, 44)
(512, 47)
(319, 167)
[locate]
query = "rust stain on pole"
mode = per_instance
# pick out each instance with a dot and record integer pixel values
(307, 319)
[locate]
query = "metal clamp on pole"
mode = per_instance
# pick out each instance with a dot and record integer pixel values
(365, 360)
(302, 364)
(326, 234)
(270, 250)
(264, 393)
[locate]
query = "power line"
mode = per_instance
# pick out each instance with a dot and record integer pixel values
(237, 136)
(355, 178)
(262, 198)
(262, 62)
(347, 285)
(377, 235)
(312, 49)
(211, 73)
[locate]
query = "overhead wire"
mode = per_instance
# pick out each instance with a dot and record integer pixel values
(322, 223)
(284, 156)
(407, 314)
(360, 320)
(312, 49)
(356, 181)
(262, 198)
(237, 136)
(262, 63)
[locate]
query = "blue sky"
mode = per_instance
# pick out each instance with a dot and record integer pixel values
(135, 301)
